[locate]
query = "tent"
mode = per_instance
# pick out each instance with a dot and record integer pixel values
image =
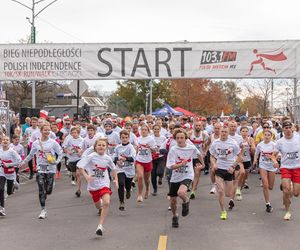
(166, 110)
(184, 111)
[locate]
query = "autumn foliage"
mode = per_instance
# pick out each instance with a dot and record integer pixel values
(200, 96)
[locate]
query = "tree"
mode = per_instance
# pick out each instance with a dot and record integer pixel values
(19, 93)
(253, 104)
(134, 94)
(201, 96)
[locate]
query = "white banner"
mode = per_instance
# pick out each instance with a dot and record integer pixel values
(252, 59)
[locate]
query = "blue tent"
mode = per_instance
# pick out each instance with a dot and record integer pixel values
(166, 110)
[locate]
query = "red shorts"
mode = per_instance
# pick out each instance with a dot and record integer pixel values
(292, 174)
(97, 194)
(147, 166)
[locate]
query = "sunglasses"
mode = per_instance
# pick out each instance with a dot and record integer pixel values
(266, 127)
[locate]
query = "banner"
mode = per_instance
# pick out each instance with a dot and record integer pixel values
(251, 59)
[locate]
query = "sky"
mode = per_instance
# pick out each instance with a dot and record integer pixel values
(97, 21)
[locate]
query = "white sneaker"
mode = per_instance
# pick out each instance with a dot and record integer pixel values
(2, 211)
(99, 230)
(73, 183)
(139, 198)
(43, 214)
(17, 185)
(213, 189)
(287, 216)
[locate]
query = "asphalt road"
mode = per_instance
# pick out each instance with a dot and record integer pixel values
(72, 221)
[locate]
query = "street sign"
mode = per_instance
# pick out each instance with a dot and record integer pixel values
(82, 87)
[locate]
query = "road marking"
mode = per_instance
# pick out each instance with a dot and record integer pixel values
(162, 242)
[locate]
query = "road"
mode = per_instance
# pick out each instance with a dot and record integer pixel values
(72, 221)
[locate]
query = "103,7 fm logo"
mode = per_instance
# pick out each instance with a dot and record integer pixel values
(212, 56)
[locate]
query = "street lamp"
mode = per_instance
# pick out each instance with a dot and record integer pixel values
(33, 31)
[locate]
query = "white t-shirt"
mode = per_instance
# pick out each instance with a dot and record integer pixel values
(49, 147)
(177, 155)
(266, 150)
(225, 152)
(113, 139)
(246, 147)
(83, 132)
(290, 152)
(19, 149)
(97, 166)
(66, 131)
(237, 138)
(144, 151)
(10, 158)
(158, 142)
(128, 167)
(36, 135)
(73, 145)
(88, 142)
(28, 132)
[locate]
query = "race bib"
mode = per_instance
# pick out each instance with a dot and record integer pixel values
(44, 168)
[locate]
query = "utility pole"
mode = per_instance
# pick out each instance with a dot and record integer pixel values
(33, 30)
(272, 96)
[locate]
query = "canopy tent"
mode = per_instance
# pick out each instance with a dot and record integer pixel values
(185, 112)
(166, 110)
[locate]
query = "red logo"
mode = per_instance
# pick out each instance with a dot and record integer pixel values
(273, 56)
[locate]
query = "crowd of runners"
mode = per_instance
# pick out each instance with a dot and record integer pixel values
(146, 151)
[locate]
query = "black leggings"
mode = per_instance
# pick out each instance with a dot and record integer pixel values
(10, 185)
(124, 182)
(157, 171)
(45, 184)
(30, 163)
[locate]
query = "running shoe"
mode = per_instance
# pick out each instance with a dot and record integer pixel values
(185, 208)
(154, 193)
(57, 175)
(287, 216)
(246, 186)
(223, 215)
(192, 195)
(122, 206)
(175, 223)
(128, 194)
(159, 181)
(30, 176)
(133, 184)
(2, 211)
(213, 189)
(43, 214)
(139, 198)
(269, 208)
(231, 205)
(73, 183)
(238, 194)
(99, 230)
(16, 185)
(169, 208)
(206, 172)
(78, 193)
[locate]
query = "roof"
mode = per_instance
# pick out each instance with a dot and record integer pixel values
(184, 111)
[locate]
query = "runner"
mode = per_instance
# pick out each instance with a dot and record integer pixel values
(248, 148)
(225, 156)
(289, 148)
(9, 159)
(19, 149)
(59, 137)
(239, 171)
(45, 150)
(113, 138)
(27, 143)
(180, 161)
(213, 137)
(124, 160)
(94, 168)
(158, 159)
(73, 147)
(264, 151)
(143, 161)
(200, 139)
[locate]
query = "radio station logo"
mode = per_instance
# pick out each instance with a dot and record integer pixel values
(215, 59)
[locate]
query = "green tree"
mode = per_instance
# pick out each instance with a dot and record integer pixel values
(134, 94)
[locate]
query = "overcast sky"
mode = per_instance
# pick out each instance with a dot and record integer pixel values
(77, 21)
